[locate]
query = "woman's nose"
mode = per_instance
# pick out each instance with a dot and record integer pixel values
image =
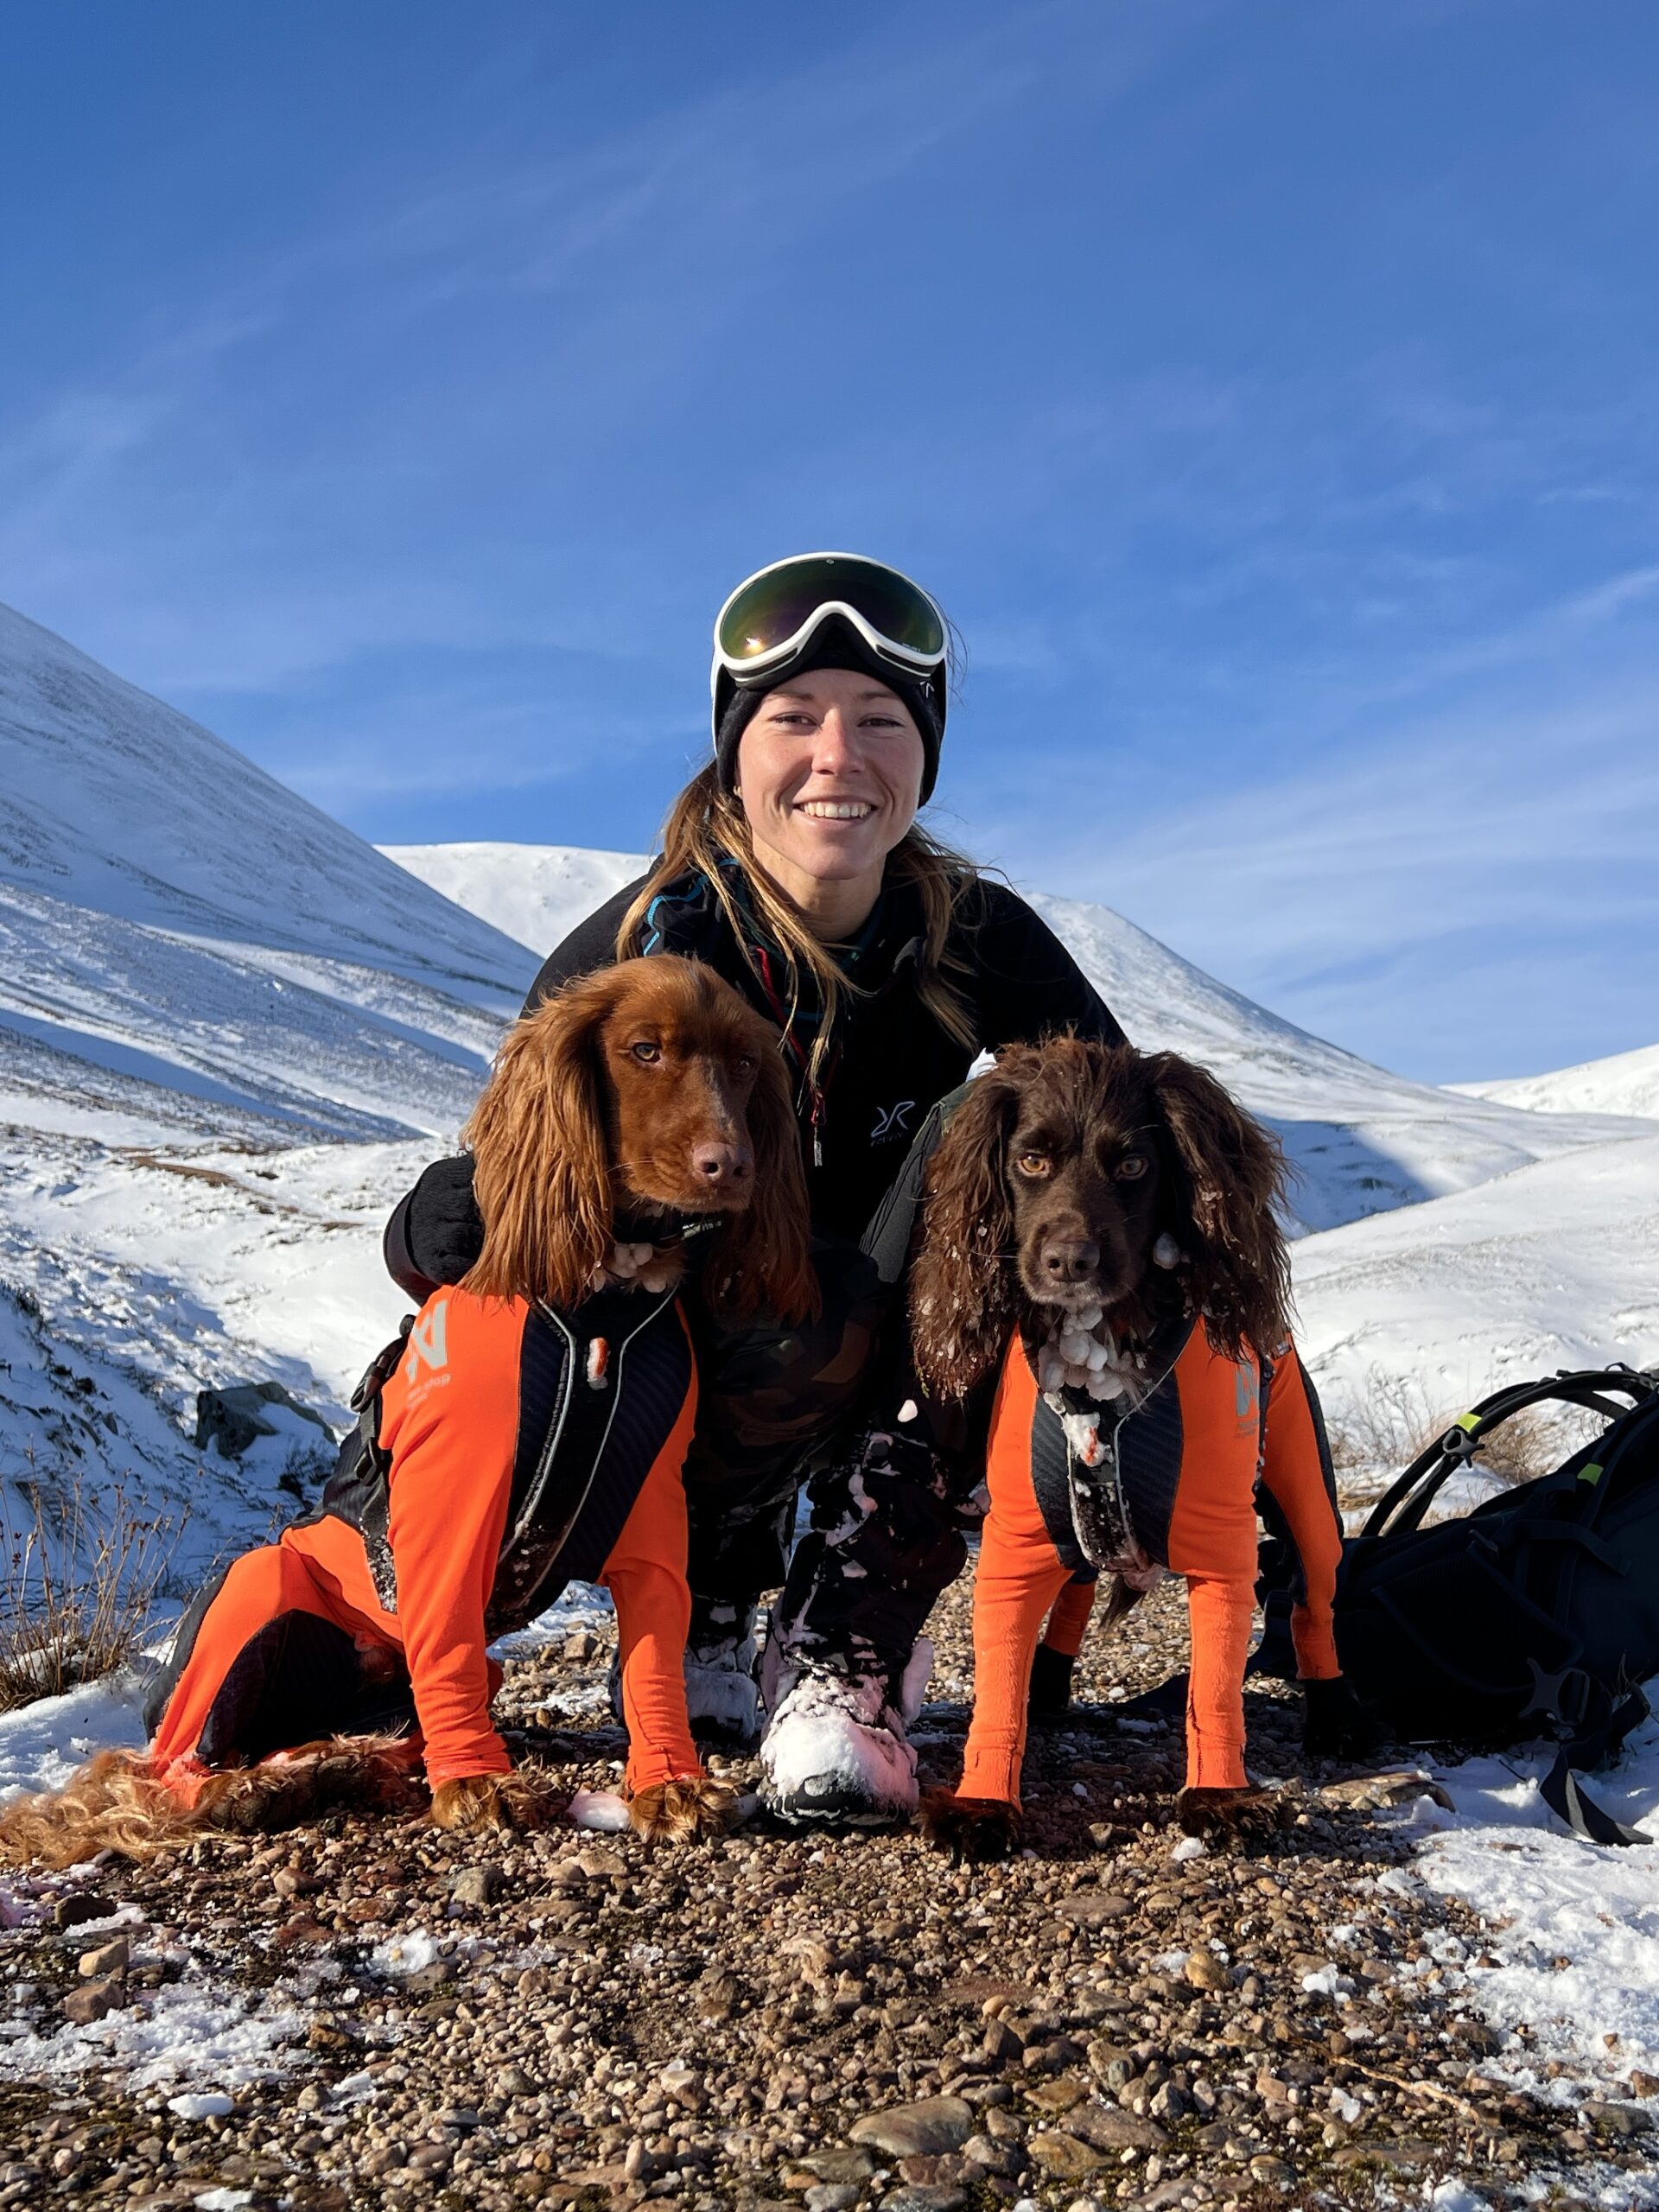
(835, 746)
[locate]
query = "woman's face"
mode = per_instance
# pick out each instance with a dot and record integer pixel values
(828, 775)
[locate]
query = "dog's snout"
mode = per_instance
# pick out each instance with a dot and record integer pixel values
(721, 1166)
(1067, 1260)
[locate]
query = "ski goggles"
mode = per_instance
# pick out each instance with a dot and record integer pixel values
(772, 616)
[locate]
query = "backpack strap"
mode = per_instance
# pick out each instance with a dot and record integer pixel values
(1562, 1792)
(1403, 1504)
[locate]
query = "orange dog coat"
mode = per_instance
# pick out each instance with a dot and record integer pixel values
(511, 1450)
(1187, 1463)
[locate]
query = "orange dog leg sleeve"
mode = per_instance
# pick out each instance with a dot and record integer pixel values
(1019, 1578)
(1219, 1614)
(646, 1575)
(319, 1571)
(1293, 1471)
(1068, 1624)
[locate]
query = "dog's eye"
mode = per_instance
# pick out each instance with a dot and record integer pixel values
(1130, 1168)
(1032, 1163)
(648, 1053)
(745, 1064)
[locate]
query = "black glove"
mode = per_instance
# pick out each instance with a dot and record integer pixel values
(438, 1232)
(1338, 1726)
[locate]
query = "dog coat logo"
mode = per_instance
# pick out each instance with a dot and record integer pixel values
(427, 1343)
(890, 1121)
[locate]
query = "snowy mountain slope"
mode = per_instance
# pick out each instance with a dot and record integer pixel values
(1624, 1083)
(1552, 1266)
(1363, 1140)
(537, 893)
(174, 921)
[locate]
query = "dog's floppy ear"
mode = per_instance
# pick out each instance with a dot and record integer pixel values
(760, 1264)
(964, 1287)
(543, 1159)
(1228, 1180)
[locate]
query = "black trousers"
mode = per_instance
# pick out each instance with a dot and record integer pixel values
(776, 1406)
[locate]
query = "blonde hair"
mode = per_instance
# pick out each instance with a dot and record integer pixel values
(707, 830)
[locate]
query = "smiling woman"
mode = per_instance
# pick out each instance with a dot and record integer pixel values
(793, 864)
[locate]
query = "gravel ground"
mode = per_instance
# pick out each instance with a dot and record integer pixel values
(775, 2020)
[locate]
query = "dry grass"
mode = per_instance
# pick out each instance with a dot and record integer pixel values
(79, 1568)
(1383, 1429)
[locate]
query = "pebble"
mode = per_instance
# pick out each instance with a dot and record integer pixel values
(908, 2131)
(93, 2000)
(477, 1886)
(1065, 2157)
(81, 1906)
(109, 1961)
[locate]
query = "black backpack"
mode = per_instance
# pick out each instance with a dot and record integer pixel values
(1536, 1613)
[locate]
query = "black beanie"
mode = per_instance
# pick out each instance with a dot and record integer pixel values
(833, 644)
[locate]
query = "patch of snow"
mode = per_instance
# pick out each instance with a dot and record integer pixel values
(212, 2104)
(404, 1954)
(193, 2031)
(1574, 1926)
(600, 1810)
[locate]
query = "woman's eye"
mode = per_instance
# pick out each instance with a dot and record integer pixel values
(648, 1053)
(1130, 1168)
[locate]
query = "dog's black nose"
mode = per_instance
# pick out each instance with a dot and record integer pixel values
(1070, 1259)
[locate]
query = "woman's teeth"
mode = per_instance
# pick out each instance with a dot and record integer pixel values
(836, 810)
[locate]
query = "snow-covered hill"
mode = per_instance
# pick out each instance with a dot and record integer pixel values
(1624, 1083)
(186, 943)
(200, 977)
(1363, 1140)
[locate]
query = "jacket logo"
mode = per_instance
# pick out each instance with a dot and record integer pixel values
(427, 1344)
(890, 1121)
(1247, 1394)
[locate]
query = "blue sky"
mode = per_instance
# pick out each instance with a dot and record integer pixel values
(1266, 390)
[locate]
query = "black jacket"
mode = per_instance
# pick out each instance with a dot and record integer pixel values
(889, 1065)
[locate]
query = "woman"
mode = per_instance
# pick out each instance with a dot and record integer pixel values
(794, 865)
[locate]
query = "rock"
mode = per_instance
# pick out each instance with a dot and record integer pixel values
(109, 1961)
(1168, 2104)
(1205, 1971)
(1002, 2046)
(477, 1886)
(91, 2001)
(842, 2166)
(1274, 2171)
(715, 1998)
(1065, 2157)
(1059, 2095)
(513, 2081)
(908, 2131)
(1643, 2085)
(1092, 1908)
(74, 1911)
(582, 1644)
(1111, 2062)
(230, 1420)
(1615, 2119)
(1000, 2159)
(916, 2197)
(832, 2196)
(684, 2084)
(1109, 2127)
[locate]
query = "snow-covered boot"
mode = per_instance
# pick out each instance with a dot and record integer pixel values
(834, 1751)
(722, 1696)
(721, 1693)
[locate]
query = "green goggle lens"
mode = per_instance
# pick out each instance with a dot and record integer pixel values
(769, 610)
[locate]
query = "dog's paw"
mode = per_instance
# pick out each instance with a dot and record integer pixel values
(1338, 1726)
(672, 1812)
(1244, 1818)
(973, 1830)
(473, 1801)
